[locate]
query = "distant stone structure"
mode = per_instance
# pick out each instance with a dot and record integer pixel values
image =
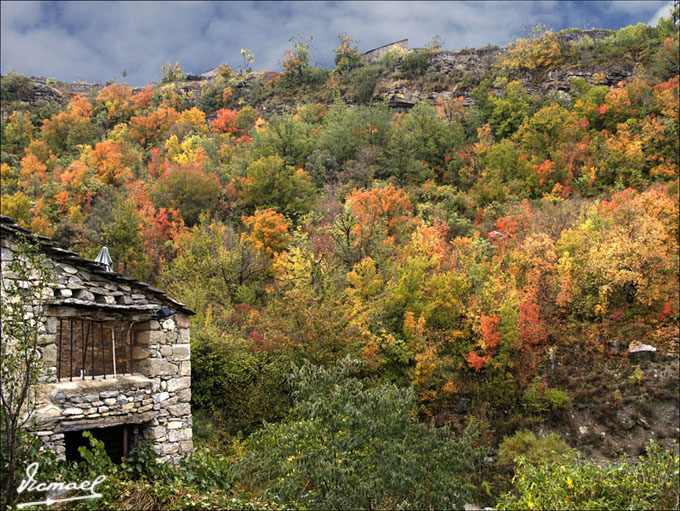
(375, 54)
(116, 358)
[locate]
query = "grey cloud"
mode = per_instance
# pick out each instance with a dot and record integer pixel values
(635, 8)
(663, 12)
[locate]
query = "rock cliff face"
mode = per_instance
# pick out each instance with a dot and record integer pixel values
(36, 90)
(458, 68)
(55, 90)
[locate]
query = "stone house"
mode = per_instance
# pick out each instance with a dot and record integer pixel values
(115, 358)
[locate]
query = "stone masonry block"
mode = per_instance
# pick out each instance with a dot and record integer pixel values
(178, 435)
(176, 384)
(183, 337)
(158, 398)
(49, 355)
(52, 324)
(150, 337)
(184, 396)
(181, 351)
(180, 409)
(157, 367)
(182, 320)
(139, 352)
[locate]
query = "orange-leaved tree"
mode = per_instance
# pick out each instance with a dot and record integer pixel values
(268, 231)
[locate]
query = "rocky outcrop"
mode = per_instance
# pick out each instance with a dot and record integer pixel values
(464, 61)
(575, 35)
(638, 351)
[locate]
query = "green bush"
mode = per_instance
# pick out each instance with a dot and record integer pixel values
(236, 388)
(633, 35)
(390, 59)
(533, 450)
(414, 63)
(557, 399)
(362, 83)
(201, 481)
(357, 447)
(536, 401)
(574, 483)
(496, 390)
(322, 167)
(210, 99)
(42, 110)
(314, 76)
(14, 86)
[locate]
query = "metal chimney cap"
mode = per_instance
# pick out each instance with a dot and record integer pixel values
(104, 259)
(163, 313)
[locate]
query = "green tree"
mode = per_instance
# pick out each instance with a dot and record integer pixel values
(295, 62)
(348, 129)
(16, 135)
(270, 183)
(237, 386)
(15, 86)
(509, 110)
(212, 267)
(436, 43)
(123, 237)
(362, 82)
(17, 206)
(351, 446)
(421, 143)
(189, 189)
(248, 61)
(287, 137)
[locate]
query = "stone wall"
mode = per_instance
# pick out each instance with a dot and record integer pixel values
(375, 54)
(163, 354)
(155, 394)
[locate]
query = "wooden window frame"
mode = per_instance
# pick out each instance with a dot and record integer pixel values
(77, 338)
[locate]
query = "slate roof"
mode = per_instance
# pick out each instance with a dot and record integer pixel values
(81, 282)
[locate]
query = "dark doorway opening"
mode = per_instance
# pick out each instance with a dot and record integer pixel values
(118, 441)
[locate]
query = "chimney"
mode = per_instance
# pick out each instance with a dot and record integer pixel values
(104, 259)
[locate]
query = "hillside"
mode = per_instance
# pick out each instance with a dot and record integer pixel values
(425, 75)
(485, 240)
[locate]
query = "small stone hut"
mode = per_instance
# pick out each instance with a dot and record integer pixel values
(373, 56)
(115, 356)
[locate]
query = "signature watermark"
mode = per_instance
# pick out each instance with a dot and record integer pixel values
(33, 485)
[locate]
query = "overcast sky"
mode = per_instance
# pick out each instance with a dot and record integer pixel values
(95, 41)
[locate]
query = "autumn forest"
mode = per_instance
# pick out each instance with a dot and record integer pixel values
(396, 307)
